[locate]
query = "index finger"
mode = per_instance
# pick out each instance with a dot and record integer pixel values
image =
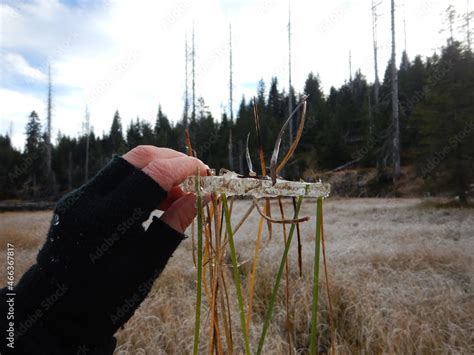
(142, 155)
(173, 171)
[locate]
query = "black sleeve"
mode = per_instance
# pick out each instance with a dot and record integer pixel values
(96, 267)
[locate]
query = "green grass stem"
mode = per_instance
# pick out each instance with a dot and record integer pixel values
(236, 273)
(313, 347)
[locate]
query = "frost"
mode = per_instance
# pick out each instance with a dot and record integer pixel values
(231, 184)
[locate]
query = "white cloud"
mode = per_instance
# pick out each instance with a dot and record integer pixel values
(16, 63)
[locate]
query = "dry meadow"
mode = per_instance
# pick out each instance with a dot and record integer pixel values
(401, 281)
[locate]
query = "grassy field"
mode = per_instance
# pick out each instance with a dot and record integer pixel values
(401, 276)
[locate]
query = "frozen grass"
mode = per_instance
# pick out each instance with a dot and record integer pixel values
(401, 281)
(27, 231)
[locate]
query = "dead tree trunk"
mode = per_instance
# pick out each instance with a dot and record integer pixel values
(290, 102)
(186, 82)
(376, 68)
(231, 155)
(231, 83)
(193, 85)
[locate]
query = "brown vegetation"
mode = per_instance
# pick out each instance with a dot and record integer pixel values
(400, 271)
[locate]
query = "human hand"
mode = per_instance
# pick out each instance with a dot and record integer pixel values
(97, 245)
(169, 168)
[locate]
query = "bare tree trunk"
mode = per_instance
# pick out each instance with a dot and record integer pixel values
(231, 156)
(395, 110)
(231, 100)
(231, 83)
(186, 82)
(350, 66)
(468, 25)
(290, 102)
(290, 92)
(404, 29)
(376, 69)
(193, 63)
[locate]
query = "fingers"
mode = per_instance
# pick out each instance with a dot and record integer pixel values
(142, 155)
(182, 212)
(174, 194)
(171, 172)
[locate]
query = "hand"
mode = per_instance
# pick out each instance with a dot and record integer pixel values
(169, 168)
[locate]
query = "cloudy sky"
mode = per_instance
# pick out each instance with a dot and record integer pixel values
(129, 55)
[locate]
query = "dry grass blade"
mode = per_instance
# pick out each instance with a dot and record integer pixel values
(274, 169)
(189, 150)
(268, 211)
(298, 235)
(284, 221)
(331, 312)
(226, 316)
(263, 166)
(206, 260)
(187, 139)
(261, 155)
(296, 139)
(253, 273)
(247, 156)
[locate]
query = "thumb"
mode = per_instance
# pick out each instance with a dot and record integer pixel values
(182, 212)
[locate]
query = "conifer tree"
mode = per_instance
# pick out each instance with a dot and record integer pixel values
(117, 142)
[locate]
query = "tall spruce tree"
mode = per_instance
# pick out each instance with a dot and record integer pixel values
(162, 129)
(117, 142)
(33, 150)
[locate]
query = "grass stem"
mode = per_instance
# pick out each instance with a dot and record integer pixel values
(197, 324)
(313, 347)
(236, 273)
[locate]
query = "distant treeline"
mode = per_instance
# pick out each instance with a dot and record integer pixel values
(347, 126)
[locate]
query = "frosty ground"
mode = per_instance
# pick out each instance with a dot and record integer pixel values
(400, 274)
